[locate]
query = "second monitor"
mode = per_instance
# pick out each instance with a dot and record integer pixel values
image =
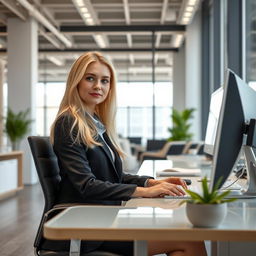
(237, 109)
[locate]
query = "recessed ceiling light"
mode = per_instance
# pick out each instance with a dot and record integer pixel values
(189, 9)
(87, 15)
(84, 10)
(192, 2)
(90, 21)
(187, 14)
(80, 3)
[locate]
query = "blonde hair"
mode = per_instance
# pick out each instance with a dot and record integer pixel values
(72, 104)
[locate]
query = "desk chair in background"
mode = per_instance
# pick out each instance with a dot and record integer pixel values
(48, 172)
(170, 147)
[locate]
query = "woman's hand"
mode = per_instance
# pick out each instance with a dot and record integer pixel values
(159, 190)
(172, 180)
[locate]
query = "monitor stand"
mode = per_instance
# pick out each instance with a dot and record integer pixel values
(250, 188)
(250, 161)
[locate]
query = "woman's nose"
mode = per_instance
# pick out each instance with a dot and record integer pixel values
(97, 84)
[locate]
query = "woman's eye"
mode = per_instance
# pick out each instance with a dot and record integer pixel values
(89, 78)
(105, 81)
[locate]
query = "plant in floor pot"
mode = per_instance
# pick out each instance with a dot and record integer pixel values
(209, 208)
(17, 126)
(181, 126)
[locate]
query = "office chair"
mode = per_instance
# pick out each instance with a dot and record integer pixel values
(175, 147)
(155, 144)
(48, 173)
(195, 148)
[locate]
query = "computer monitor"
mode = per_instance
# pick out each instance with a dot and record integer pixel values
(237, 109)
(213, 117)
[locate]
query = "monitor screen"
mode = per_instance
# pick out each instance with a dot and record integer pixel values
(237, 108)
(213, 117)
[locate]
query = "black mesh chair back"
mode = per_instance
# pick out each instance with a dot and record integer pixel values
(176, 149)
(153, 145)
(48, 173)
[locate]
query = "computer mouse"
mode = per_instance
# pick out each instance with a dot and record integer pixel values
(170, 170)
(188, 181)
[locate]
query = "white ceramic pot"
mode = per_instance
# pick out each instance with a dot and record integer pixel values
(206, 215)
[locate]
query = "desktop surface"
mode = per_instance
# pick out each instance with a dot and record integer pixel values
(146, 223)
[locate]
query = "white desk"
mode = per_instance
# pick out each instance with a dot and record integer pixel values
(152, 167)
(151, 219)
(149, 223)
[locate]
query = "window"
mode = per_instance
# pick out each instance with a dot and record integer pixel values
(134, 112)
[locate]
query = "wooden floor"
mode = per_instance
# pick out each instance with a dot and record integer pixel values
(19, 219)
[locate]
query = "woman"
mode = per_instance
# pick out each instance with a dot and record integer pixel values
(85, 142)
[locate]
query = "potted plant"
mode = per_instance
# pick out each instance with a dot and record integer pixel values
(16, 126)
(209, 208)
(181, 125)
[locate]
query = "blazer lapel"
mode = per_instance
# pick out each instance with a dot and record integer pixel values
(107, 152)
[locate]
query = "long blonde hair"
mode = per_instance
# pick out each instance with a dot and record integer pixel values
(72, 104)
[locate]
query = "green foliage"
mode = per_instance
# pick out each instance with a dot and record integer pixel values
(17, 125)
(209, 197)
(181, 125)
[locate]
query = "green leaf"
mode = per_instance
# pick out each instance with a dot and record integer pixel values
(194, 195)
(213, 197)
(17, 125)
(180, 129)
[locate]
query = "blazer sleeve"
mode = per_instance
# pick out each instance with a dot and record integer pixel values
(73, 162)
(135, 179)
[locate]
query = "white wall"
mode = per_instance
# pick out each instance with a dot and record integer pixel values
(193, 72)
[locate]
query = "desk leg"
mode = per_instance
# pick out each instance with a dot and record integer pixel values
(140, 248)
(75, 246)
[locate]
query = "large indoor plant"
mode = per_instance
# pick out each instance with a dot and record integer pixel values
(180, 129)
(17, 126)
(209, 208)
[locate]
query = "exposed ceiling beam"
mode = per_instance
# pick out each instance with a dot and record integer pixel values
(127, 21)
(50, 38)
(55, 60)
(111, 50)
(89, 16)
(162, 19)
(126, 28)
(40, 18)
(131, 58)
(15, 8)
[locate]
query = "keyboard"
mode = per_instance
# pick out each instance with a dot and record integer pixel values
(196, 189)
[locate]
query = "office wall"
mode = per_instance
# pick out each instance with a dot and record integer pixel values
(179, 71)
(193, 72)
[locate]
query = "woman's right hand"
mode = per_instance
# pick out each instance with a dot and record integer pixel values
(159, 190)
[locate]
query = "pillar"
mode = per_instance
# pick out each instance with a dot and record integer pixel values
(22, 59)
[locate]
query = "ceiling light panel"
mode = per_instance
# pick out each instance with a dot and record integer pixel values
(187, 11)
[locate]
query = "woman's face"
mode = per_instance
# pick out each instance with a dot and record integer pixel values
(94, 87)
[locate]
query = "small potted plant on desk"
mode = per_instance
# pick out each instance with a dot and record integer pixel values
(209, 208)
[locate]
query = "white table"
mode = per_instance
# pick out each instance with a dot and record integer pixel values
(149, 223)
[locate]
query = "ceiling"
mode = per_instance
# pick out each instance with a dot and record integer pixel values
(122, 29)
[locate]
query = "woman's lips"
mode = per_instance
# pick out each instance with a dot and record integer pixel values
(95, 94)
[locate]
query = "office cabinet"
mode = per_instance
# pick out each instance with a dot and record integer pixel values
(10, 173)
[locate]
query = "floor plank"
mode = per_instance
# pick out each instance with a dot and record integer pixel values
(19, 219)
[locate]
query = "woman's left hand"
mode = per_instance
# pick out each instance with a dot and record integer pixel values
(173, 180)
